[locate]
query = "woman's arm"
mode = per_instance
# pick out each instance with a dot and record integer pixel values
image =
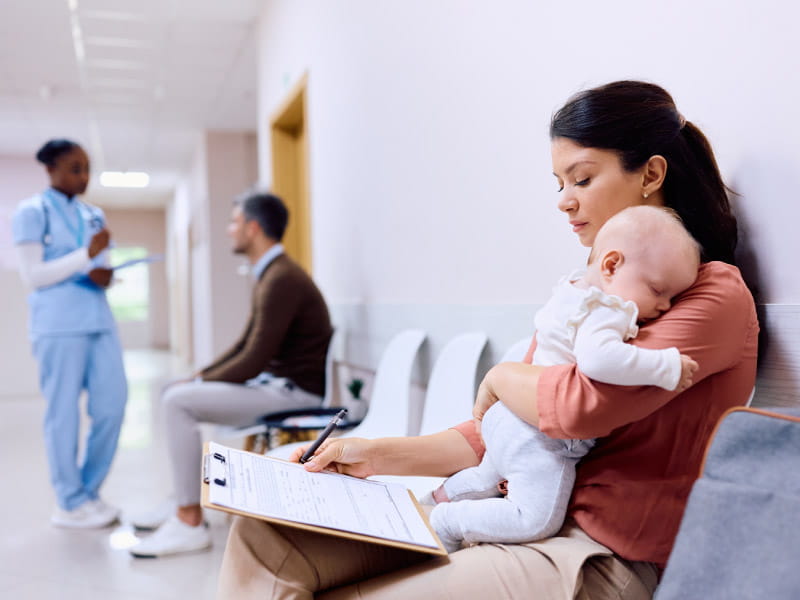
(711, 322)
(37, 273)
(516, 385)
(439, 454)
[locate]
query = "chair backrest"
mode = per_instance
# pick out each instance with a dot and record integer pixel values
(517, 350)
(451, 387)
(330, 376)
(387, 414)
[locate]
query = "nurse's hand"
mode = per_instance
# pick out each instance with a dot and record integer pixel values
(101, 276)
(99, 243)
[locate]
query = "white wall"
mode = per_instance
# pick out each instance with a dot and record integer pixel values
(428, 130)
(431, 180)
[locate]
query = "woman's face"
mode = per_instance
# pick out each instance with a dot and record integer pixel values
(70, 173)
(593, 186)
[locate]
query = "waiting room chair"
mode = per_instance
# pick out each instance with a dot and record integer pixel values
(387, 414)
(257, 435)
(517, 350)
(449, 398)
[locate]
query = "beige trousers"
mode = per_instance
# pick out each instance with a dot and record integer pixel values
(269, 561)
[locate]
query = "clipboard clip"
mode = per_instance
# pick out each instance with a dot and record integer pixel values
(208, 467)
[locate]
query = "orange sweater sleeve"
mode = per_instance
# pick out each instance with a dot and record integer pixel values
(709, 322)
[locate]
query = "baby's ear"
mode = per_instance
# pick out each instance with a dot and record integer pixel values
(611, 261)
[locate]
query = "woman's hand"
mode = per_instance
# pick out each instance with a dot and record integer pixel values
(101, 276)
(514, 383)
(350, 456)
(99, 242)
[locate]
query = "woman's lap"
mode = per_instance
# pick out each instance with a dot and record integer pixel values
(304, 562)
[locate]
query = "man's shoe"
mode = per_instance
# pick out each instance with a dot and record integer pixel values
(86, 516)
(173, 537)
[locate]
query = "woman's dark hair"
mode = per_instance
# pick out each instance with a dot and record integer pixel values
(638, 120)
(49, 153)
(268, 211)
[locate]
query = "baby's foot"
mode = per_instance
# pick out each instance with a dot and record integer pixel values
(450, 541)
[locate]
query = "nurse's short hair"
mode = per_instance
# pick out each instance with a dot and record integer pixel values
(49, 153)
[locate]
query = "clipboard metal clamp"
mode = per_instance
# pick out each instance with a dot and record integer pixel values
(208, 468)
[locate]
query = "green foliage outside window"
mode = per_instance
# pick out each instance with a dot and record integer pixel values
(129, 295)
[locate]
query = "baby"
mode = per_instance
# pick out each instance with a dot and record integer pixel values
(642, 258)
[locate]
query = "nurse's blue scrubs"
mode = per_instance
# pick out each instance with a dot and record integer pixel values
(76, 344)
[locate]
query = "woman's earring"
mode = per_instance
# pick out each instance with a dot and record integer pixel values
(645, 195)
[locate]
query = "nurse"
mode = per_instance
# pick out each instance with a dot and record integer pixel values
(61, 244)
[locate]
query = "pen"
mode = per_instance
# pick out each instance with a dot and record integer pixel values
(323, 436)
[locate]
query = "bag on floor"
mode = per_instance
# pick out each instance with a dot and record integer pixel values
(740, 535)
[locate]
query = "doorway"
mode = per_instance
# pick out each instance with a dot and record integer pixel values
(289, 142)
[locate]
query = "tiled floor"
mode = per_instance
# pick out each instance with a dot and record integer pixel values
(38, 561)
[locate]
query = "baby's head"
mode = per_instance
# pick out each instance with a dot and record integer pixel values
(644, 254)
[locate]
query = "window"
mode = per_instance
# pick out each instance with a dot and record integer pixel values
(129, 296)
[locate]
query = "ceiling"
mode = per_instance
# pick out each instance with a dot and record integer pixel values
(133, 81)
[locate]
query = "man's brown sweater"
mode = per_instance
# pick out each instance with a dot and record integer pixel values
(287, 334)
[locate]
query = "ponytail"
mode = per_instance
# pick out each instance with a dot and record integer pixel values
(638, 120)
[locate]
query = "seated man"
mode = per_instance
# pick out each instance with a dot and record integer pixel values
(277, 364)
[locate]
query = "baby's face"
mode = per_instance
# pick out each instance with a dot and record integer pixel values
(652, 282)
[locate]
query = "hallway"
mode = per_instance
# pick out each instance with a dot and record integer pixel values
(39, 561)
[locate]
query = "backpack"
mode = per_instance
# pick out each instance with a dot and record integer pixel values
(740, 534)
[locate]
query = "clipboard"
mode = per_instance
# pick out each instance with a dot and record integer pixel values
(135, 261)
(241, 482)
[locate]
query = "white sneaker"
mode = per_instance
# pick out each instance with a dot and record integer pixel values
(100, 507)
(173, 537)
(87, 516)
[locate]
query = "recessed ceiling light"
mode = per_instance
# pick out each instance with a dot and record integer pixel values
(126, 179)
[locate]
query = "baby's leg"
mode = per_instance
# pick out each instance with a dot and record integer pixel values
(474, 483)
(538, 493)
(540, 472)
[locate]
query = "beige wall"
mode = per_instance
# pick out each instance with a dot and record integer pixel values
(232, 169)
(146, 228)
(21, 177)
(212, 303)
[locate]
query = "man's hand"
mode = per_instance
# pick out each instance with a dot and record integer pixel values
(99, 242)
(688, 369)
(350, 456)
(101, 276)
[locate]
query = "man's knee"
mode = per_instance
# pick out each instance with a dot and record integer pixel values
(178, 396)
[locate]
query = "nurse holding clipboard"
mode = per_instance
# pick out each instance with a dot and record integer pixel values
(61, 245)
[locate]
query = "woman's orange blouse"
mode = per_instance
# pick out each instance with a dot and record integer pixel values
(631, 489)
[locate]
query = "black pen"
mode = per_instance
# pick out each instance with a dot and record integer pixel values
(308, 454)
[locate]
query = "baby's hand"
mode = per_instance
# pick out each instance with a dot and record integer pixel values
(688, 369)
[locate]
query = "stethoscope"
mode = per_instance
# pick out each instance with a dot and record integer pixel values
(95, 221)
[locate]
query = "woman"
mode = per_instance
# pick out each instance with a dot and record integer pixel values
(615, 146)
(60, 242)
